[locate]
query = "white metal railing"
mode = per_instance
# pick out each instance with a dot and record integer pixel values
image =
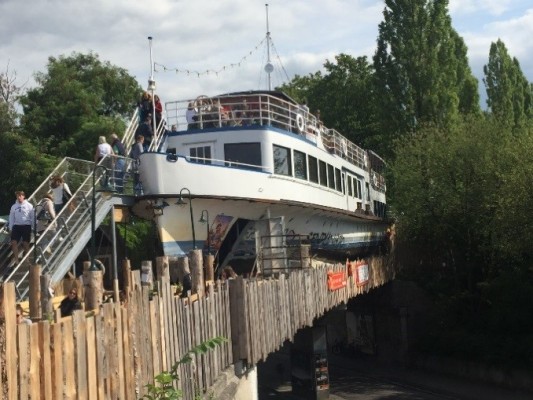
(222, 163)
(260, 109)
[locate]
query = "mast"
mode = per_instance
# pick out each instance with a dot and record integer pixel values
(151, 88)
(268, 67)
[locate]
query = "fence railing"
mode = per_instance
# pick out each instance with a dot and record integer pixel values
(116, 350)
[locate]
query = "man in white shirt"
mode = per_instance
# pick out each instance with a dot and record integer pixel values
(21, 218)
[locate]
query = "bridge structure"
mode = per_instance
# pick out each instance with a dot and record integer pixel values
(114, 351)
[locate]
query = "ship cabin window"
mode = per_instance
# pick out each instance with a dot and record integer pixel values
(357, 185)
(200, 155)
(243, 155)
(323, 172)
(350, 192)
(282, 161)
(380, 209)
(300, 165)
(367, 187)
(313, 169)
(338, 180)
(331, 176)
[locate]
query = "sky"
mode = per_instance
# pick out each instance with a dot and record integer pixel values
(208, 47)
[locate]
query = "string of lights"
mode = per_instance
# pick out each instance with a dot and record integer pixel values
(164, 68)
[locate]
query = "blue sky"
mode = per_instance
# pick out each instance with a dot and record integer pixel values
(210, 35)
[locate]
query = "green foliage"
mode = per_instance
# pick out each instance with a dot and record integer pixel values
(422, 72)
(344, 97)
(509, 92)
(140, 239)
(461, 195)
(163, 388)
(26, 165)
(78, 99)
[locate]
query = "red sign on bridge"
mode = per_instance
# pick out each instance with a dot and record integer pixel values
(336, 280)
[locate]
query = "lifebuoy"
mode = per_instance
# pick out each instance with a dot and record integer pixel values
(300, 122)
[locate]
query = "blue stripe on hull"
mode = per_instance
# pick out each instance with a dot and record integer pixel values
(182, 248)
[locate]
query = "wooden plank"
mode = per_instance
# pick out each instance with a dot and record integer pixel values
(69, 366)
(155, 334)
(117, 315)
(129, 378)
(80, 353)
(134, 332)
(23, 333)
(57, 359)
(166, 326)
(197, 340)
(101, 357)
(35, 361)
(92, 377)
(46, 366)
(188, 384)
(8, 302)
(175, 326)
(212, 332)
(236, 303)
(228, 325)
(110, 345)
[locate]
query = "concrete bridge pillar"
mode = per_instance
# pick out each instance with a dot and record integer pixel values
(309, 364)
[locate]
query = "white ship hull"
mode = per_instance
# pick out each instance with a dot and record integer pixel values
(237, 175)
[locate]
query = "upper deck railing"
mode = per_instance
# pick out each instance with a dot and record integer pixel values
(261, 109)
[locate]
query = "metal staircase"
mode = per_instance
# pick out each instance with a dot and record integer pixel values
(70, 232)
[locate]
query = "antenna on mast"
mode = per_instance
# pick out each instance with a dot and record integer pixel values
(268, 67)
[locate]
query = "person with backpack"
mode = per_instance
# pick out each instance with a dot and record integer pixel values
(45, 215)
(136, 150)
(60, 191)
(119, 162)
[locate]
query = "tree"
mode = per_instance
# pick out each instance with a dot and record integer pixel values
(343, 95)
(78, 99)
(422, 72)
(9, 94)
(25, 166)
(460, 194)
(509, 95)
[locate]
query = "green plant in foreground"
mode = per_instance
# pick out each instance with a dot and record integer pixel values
(163, 387)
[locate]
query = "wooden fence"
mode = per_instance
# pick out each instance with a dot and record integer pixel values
(113, 352)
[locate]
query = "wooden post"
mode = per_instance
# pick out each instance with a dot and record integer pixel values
(305, 258)
(35, 292)
(162, 267)
(197, 272)
(126, 271)
(7, 291)
(147, 276)
(93, 288)
(183, 268)
(209, 269)
(173, 269)
(47, 308)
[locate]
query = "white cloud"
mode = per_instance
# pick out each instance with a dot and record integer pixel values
(209, 34)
